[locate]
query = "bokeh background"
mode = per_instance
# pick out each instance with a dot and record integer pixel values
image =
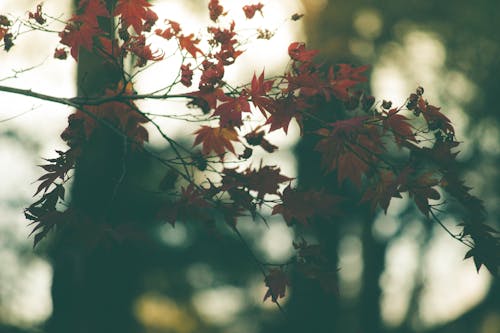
(397, 272)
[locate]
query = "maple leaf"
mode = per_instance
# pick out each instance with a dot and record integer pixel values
(60, 53)
(258, 92)
(285, 109)
(297, 51)
(314, 264)
(303, 206)
(230, 111)
(435, 119)
(91, 9)
(149, 20)
(137, 45)
(205, 99)
(211, 75)
(186, 75)
(382, 191)
(256, 138)
(215, 10)
(307, 81)
(349, 148)
(171, 31)
(132, 13)
(216, 139)
(349, 165)
(57, 168)
(188, 43)
(276, 281)
(398, 124)
(78, 33)
(345, 78)
(420, 188)
(250, 10)
(264, 180)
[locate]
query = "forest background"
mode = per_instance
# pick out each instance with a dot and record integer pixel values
(416, 280)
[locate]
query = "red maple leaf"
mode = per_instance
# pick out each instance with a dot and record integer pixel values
(276, 281)
(264, 180)
(345, 78)
(420, 187)
(307, 82)
(91, 9)
(205, 99)
(350, 148)
(258, 92)
(297, 51)
(186, 75)
(188, 43)
(285, 109)
(215, 10)
(132, 13)
(398, 124)
(302, 206)
(217, 139)
(171, 31)
(250, 10)
(78, 33)
(382, 191)
(230, 111)
(434, 118)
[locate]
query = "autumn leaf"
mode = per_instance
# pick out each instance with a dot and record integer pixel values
(189, 43)
(433, 116)
(258, 93)
(205, 99)
(420, 188)
(57, 168)
(298, 52)
(215, 10)
(276, 281)
(92, 9)
(285, 109)
(230, 110)
(344, 78)
(250, 10)
(264, 180)
(383, 189)
(256, 138)
(132, 13)
(399, 125)
(217, 139)
(60, 53)
(171, 31)
(350, 148)
(303, 206)
(77, 34)
(186, 75)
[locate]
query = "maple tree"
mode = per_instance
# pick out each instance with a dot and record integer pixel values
(357, 143)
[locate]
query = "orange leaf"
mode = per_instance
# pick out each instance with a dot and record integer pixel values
(217, 139)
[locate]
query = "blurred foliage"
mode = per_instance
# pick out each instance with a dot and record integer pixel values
(363, 31)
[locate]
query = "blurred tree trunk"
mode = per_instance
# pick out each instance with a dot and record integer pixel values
(94, 288)
(373, 267)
